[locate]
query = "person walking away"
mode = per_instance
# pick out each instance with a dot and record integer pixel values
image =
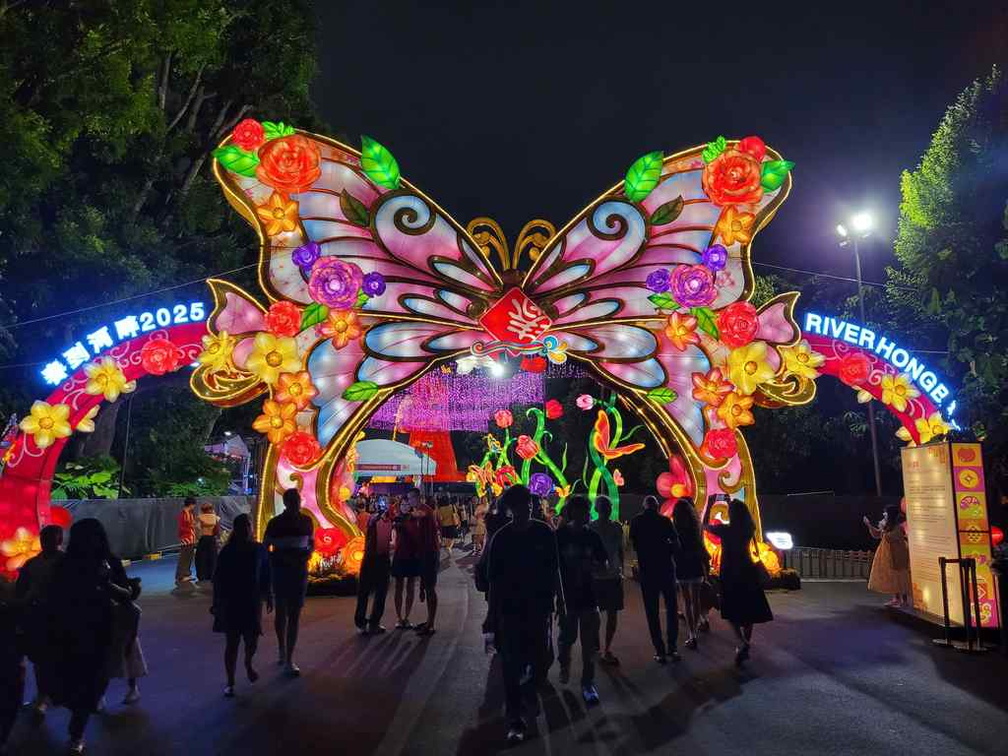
(582, 556)
(208, 529)
(12, 666)
(743, 602)
(429, 554)
(692, 566)
(609, 581)
(521, 568)
(479, 530)
(241, 586)
(126, 657)
(373, 581)
(656, 542)
(465, 518)
(187, 542)
(890, 570)
(449, 521)
(32, 593)
(290, 538)
(79, 628)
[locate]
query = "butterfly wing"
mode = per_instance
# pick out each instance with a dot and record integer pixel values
(356, 210)
(642, 251)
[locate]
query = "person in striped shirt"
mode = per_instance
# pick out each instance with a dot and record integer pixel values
(290, 540)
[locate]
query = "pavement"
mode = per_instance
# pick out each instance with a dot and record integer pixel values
(835, 673)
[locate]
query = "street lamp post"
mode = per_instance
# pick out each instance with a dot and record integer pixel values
(861, 225)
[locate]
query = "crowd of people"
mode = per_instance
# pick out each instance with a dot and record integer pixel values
(548, 578)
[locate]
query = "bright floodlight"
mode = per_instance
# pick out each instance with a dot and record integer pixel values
(780, 540)
(496, 369)
(862, 222)
(841, 229)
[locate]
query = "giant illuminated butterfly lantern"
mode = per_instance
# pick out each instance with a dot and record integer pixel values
(371, 284)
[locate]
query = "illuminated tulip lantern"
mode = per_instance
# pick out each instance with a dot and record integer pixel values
(368, 285)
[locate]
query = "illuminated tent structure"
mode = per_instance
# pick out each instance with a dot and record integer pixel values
(379, 457)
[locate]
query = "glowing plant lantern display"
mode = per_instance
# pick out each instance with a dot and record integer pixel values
(341, 231)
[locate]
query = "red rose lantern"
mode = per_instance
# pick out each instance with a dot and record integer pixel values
(301, 448)
(249, 134)
(721, 443)
(328, 541)
(854, 369)
(503, 418)
(283, 318)
(734, 177)
(526, 447)
(738, 324)
(289, 164)
(553, 409)
(160, 356)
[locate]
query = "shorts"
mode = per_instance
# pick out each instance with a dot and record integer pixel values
(290, 587)
(609, 594)
(449, 531)
(406, 567)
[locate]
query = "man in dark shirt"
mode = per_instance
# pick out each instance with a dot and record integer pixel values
(521, 563)
(656, 542)
(290, 539)
(582, 555)
(374, 573)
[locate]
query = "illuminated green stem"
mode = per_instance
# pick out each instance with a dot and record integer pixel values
(526, 470)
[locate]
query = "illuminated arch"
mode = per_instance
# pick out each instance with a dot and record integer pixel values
(876, 367)
(26, 476)
(648, 287)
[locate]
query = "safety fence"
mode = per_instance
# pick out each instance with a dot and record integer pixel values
(829, 563)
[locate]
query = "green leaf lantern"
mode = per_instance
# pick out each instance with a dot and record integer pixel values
(378, 164)
(663, 301)
(643, 176)
(713, 149)
(774, 172)
(662, 395)
(706, 321)
(313, 314)
(360, 391)
(353, 209)
(237, 160)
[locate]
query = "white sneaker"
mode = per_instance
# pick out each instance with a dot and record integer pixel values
(76, 747)
(229, 691)
(132, 696)
(293, 670)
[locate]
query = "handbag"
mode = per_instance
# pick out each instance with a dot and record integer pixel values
(709, 598)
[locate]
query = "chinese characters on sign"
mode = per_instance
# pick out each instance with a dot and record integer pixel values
(129, 327)
(516, 319)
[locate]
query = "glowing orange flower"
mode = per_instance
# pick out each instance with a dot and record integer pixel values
(279, 214)
(342, 326)
(20, 548)
(711, 388)
(295, 388)
(736, 410)
(681, 330)
(276, 421)
(734, 226)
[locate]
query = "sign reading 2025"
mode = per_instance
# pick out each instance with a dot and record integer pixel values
(122, 329)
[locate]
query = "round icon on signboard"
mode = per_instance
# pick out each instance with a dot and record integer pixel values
(968, 478)
(968, 502)
(966, 455)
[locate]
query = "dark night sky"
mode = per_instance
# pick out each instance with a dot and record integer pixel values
(531, 111)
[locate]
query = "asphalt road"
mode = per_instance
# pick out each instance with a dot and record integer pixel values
(833, 674)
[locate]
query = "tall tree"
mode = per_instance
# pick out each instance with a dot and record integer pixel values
(952, 247)
(108, 112)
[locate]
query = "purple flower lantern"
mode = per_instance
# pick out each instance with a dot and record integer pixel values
(335, 283)
(693, 285)
(541, 484)
(715, 257)
(306, 255)
(658, 281)
(374, 284)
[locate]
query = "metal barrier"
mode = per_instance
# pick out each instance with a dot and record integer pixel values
(830, 563)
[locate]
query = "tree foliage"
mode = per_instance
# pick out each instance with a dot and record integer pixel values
(108, 112)
(952, 247)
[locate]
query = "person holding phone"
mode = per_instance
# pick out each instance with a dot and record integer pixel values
(890, 570)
